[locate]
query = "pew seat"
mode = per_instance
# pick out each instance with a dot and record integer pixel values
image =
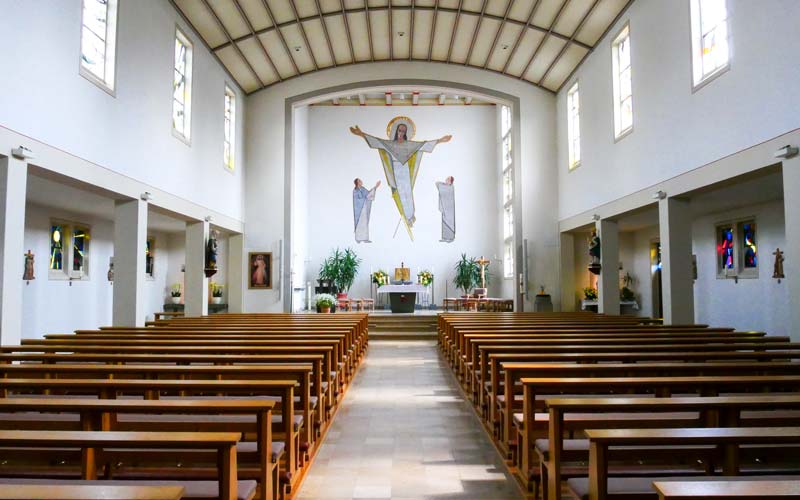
(193, 490)
(641, 488)
(741, 489)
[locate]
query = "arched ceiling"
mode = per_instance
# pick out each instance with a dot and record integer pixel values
(263, 42)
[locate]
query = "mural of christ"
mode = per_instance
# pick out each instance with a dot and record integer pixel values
(401, 158)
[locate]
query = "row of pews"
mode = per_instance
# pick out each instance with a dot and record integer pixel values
(611, 407)
(227, 406)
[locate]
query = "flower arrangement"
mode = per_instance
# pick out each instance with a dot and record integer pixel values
(216, 290)
(380, 277)
(590, 293)
(325, 301)
(424, 278)
(176, 290)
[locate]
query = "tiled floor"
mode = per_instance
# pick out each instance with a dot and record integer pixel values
(404, 431)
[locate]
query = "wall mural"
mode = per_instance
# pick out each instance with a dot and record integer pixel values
(401, 158)
(362, 207)
(447, 206)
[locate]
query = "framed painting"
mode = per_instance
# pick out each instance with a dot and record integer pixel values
(260, 271)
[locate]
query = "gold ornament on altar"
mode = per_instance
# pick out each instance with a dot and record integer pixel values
(402, 273)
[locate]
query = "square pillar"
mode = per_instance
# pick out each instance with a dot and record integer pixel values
(567, 272)
(195, 281)
(130, 241)
(791, 265)
(13, 184)
(236, 273)
(675, 229)
(608, 281)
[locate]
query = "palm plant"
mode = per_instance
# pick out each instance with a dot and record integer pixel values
(468, 273)
(347, 268)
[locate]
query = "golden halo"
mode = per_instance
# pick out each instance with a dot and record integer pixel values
(411, 129)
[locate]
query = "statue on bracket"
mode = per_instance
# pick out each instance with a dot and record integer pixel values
(778, 271)
(211, 254)
(362, 207)
(27, 275)
(447, 206)
(594, 253)
(401, 158)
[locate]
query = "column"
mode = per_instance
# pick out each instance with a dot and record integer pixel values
(677, 285)
(236, 273)
(567, 264)
(13, 183)
(195, 281)
(791, 266)
(608, 281)
(130, 240)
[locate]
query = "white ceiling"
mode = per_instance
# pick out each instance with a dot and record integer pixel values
(263, 42)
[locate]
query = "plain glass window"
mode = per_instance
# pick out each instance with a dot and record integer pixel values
(98, 42)
(574, 126)
(710, 48)
(182, 87)
(507, 166)
(229, 145)
(623, 89)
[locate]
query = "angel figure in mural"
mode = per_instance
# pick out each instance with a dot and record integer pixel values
(362, 207)
(447, 206)
(401, 158)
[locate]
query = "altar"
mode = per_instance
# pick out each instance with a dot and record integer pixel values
(402, 297)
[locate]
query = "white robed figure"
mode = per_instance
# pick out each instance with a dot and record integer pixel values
(401, 158)
(447, 206)
(362, 207)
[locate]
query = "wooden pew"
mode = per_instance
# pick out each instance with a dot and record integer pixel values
(67, 491)
(763, 488)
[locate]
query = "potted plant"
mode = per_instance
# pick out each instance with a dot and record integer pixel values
(425, 277)
(325, 302)
(626, 294)
(216, 293)
(176, 293)
(341, 268)
(380, 278)
(327, 273)
(590, 293)
(468, 273)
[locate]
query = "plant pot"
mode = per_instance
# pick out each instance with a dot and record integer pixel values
(175, 300)
(341, 296)
(325, 310)
(216, 300)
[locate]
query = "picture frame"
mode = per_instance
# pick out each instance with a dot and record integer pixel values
(260, 270)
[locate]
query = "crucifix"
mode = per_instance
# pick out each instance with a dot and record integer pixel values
(483, 263)
(778, 271)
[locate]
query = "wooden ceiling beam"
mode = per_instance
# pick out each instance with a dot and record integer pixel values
(475, 33)
(236, 47)
(303, 33)
(349, 34)
(521, 34)
(433, 28)
(574, 34)
(544, 39)
(391, 32)
(411, 34)
(325, 30)
(455, 29)
(369, 31)
(280, 35)
(497, 35)
(258, 40)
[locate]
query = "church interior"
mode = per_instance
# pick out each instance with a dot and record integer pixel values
(406, 249)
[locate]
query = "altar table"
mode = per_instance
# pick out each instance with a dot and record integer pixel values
(402, 297)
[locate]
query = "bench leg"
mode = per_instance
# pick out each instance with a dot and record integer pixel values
(228, 487)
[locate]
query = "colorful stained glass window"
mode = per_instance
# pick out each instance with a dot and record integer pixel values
(98, 37)
(80, 242)
(56, 247)
(749, 249)
(623, 89)
(182, 86)
(725, 246)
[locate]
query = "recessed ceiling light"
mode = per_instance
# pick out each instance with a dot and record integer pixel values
(401, 33)
(505, 47)
(297, 48)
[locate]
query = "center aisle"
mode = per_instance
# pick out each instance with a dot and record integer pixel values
(405, 431)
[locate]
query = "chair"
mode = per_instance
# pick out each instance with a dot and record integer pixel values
(368, 304)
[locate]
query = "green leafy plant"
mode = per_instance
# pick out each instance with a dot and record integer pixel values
(176, 290)
(380, 277)
(325, 300)
(627, 294)
(340, 268)
(590, 293)
(216, 290)
(468, 273)
(327, 270)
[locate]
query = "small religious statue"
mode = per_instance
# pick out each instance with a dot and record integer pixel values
(28, 274)
(447, 206)
(778, 271)
(110, 274)
(594, 253)
(483, 263)
(362, 207)
(211, 254)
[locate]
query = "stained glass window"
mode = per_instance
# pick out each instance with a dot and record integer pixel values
(98, 39)
(725, 246)
(710, 51)
(182, 86)
(149, 257)
(56, 248)
(230, 128)
(80, 241)
(574, 126)
(749, 249)
(623, 89)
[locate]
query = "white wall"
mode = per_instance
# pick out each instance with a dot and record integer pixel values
(676, 130)
(43, 96)
(336, 157)
(266, 150)
(751, 304)
(300, 207)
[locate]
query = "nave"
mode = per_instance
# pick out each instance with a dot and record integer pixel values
(405, 431)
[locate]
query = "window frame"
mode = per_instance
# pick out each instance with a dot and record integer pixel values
(109, 82)
(186, 134)
(737, 227)
(230, 165)
(572, 163)
(624, 32)
(67, 272)
(696, 47)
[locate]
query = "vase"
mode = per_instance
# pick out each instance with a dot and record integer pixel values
(216, 300)
(325, 310)
(175, 300)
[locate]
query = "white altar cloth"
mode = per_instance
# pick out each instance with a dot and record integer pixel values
(402, 289)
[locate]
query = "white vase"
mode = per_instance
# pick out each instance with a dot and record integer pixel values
(176, 300)
(216, 300)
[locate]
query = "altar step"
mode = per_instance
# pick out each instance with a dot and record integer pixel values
(402, 326)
